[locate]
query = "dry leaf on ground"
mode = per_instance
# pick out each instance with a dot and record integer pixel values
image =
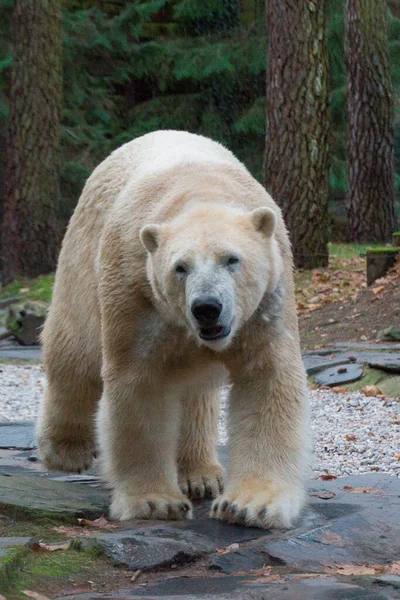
(339, 390)
(370, 390)
(353, 569)
(101, 522)
(350, 437)
(42, 547)
(327, 477)
(324, 495)
(360, 490)
(366, 569)
(228, 549)
(73, 531)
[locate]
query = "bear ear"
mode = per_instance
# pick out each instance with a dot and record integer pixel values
(264, 220)
(149, 236)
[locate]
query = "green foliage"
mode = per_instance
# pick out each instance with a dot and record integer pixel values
(134, 66)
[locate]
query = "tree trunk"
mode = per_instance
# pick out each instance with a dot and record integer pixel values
(29, 235)
(296, 156)
(370, 159)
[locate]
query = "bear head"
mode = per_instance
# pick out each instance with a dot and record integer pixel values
(210, 267)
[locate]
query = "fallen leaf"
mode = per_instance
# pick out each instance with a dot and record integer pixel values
(324, 495)
(101, 522)
(72, 532)
(370, 390)
(23, 290)
(228, 549)
(360, 490)
(393, 569)
(327, 477)
(342, 370)
(339, 390)
(42, 547)
(136, 576)
(350, 437)
(35, 595)
(353, 569)
(378, 289)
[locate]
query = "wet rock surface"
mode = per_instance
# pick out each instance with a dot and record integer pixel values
(346, 544)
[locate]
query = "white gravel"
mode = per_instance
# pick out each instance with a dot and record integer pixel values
(352, 433)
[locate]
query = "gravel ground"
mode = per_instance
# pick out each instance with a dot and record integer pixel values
(352, 433)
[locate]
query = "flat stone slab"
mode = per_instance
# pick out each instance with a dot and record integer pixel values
(314, 363)
(154, 547)
(17, 352)
(51, 497)
(19, 436)
(390, 364)
(284, 587)
(339, 375)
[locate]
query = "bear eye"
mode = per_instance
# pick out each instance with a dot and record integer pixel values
(180, 269)
(231, 261)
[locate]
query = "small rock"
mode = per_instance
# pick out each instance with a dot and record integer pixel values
(391, 333)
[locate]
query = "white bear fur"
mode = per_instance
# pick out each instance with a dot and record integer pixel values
(120, 340)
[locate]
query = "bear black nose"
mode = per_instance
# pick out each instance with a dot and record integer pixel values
(206, 310)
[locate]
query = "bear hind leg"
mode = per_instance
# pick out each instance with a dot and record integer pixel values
(66, 425)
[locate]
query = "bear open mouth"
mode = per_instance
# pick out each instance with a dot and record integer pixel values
(214, 333)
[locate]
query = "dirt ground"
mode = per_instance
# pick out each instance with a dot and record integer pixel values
(352, 320)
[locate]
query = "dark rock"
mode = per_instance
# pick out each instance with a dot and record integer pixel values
(242, 561)
(155, 547)
(339, 375)
(391, 333)
(25, 321)
(391, 365)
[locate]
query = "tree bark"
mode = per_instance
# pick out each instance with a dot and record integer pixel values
(370, 154)
(296, 156)
(29, 234)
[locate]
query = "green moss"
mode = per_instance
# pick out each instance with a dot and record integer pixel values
(42, 570)
(383, 250)
(39, 529)
(396, 234)
(10, 566)
(346, 250)
(40, 288)
(370, 377)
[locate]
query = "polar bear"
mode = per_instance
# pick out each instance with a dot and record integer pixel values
(175, 276)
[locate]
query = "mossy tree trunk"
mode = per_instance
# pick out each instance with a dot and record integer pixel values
(296, 157)
(370, 160)
(29, 234)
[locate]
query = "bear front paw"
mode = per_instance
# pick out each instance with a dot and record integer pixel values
(203, 481)
(167, 506)
(72, 455)
(262, 504)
